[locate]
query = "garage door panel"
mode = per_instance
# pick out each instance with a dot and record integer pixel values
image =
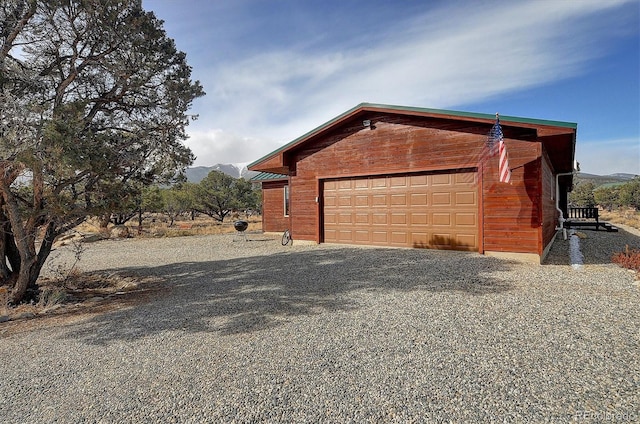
(379, 219)
(466, 241)
(379, 182)
(361, 184)
(419, 218)
(420, 240)
(379, 200)
(363, 236)
(345, 200)
(398, 181)
(362, 200)
(441, 199)
(465, 198)
(330, 218)
(330, 234)
(379, 237)
(345, 218)
(466, 219)
(345, 184)
(441, 179)
(398, 218)
(441, 240)
(418, 180)
(440, 219)
(418, 199)
(399, 238)
(345, 235)
(363, 218)
(399, 199)
(462, 178)
(425, 211)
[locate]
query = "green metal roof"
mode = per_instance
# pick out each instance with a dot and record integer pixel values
(374, 106)
(268, 176)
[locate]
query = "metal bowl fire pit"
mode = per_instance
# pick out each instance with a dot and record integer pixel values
(241, 227)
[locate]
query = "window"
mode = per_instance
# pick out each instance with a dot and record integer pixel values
(286, 200)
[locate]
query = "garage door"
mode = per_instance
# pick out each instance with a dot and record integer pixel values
(426, 210)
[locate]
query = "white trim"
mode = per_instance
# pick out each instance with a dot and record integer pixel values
(287, 201)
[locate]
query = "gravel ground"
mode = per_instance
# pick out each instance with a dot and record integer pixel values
(257, 332)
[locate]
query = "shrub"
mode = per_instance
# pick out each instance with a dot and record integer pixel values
(630, 259)
(51, 296)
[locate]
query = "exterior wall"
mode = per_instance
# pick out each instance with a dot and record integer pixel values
(549, 211)
(512, 212)
(273, 218)
(401, 144)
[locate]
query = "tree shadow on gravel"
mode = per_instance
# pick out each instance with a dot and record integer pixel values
(597, 247)
(256, 293)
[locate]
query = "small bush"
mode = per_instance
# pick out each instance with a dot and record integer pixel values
(51, 296)
(630, 259)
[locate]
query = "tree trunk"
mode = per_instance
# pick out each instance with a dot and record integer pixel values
(140, 221)
(31, 266)
(25, 269)
(24, 280)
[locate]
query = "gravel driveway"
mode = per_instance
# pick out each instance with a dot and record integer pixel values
(257, 332)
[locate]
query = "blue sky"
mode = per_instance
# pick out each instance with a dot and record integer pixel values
(275, 69)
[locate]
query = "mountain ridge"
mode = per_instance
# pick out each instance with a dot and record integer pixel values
(198, 173)
(598, 180)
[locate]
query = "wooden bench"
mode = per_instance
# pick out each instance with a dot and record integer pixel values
(586, 217)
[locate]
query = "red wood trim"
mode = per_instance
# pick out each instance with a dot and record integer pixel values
(319, 220)
(290, 226)
(540, 208)
(262, 212)
(480, 174)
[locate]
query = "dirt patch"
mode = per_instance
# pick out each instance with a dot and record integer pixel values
(78, 298)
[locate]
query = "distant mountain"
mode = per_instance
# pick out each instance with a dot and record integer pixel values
(198, 173)
(598, 180)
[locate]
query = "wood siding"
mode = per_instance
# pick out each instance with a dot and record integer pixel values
(273, 218)
(512, 211)
(549, 212)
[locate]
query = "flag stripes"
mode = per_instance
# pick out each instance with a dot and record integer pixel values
(504, 172)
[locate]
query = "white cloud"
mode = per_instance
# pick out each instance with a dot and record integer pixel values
(605, 157)
(454, 55)
(217, 146)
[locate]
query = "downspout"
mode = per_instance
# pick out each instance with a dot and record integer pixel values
(561, 218)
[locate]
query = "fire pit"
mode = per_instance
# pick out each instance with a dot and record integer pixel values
(241, 227)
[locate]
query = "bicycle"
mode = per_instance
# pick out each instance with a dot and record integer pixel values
(286, 238)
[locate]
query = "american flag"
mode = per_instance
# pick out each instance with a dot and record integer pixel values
(496, 142)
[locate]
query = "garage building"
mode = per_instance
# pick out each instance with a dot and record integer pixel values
(424, 178)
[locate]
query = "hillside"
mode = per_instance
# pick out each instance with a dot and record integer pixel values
(599, 180)
(197, 173)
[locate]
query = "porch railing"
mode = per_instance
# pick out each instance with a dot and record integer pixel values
(583, 213)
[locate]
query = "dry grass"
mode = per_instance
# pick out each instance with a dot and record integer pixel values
(79, 295)
(628, 217)
(158, 226)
